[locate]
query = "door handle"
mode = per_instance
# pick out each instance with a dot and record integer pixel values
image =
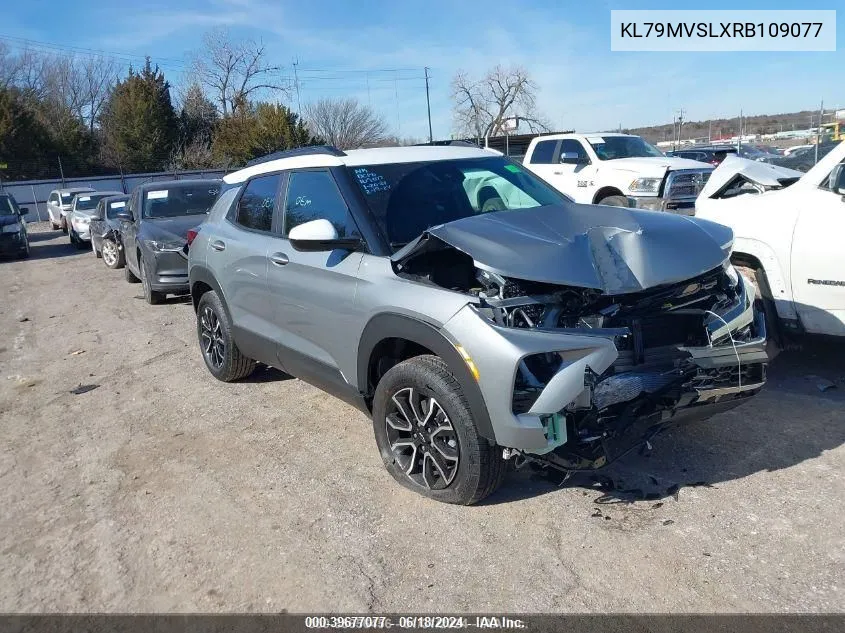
(558, 173)
(218, 245)
(280, 259)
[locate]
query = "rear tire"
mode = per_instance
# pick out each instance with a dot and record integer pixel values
(434, 448)
(219, 351)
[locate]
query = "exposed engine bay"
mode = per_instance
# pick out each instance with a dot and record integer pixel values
(678, 347)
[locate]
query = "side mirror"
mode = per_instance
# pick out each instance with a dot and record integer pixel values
(125, 216)
(320, 235)
(22, 211)
(572, 158)
(837, 179)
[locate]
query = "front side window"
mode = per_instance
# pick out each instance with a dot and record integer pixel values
(408, 198)
(313, 195)
(255, 208)
(177, 200)
(54, 198)
(613, 147)
(570, 146)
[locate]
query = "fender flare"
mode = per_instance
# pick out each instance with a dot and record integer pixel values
(198, 273)
(779, 284)
(391, 325)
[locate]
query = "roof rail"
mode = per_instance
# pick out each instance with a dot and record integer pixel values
(299, 151)
(449, 143)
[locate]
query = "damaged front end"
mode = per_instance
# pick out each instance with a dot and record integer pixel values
(576, 377)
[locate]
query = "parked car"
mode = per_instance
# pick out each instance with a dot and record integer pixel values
(788, 237)
(59, 205)
(13, 236)
(81, 211)
(711, 155)
(805, 159)
(616, 169)
(544, 330)
(105, 230)
(154, 230)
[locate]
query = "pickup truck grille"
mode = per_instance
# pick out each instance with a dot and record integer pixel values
(685, 183)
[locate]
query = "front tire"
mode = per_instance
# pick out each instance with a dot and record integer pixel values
(111, 254)
(219, 351)
(614, 201)
(427, 436)
(130, 276)
(150, 296)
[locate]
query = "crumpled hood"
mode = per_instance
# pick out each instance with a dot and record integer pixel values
(765, 174)
(613, 249)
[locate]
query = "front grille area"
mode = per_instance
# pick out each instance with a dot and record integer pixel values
(686, 183)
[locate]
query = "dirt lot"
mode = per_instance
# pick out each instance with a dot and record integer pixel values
(164, 490)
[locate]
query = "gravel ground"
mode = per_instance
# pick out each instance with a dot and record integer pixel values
(162, 489)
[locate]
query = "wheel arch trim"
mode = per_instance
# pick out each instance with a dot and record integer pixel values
(392, 325)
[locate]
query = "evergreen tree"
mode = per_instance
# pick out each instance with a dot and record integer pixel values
(139, 124)
(25, 145)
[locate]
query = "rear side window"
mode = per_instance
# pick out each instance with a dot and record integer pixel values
(544, 153)
(255, 208)
(313, 195)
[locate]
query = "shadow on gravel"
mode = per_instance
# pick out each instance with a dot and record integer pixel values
(726, 447)
(53, 250)
(263, 373)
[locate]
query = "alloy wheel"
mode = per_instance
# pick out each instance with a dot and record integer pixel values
(211, 335)
(109, 252)
(422, 439)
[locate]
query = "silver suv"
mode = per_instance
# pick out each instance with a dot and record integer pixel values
(471, 310)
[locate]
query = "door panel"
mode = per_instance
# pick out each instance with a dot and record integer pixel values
(818, 262)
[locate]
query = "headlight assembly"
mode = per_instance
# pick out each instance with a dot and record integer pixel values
(165, 246)
(731, 273)
(645, 185)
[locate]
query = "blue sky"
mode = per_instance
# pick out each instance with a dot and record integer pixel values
(565, 45)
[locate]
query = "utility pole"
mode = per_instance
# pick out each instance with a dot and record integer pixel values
(819, 131)
(710, 131)
(680, 124)
(296, 85)
(61, 171)
(739, 136)
(428, 105)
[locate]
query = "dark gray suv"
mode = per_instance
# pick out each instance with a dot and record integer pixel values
(475, 313)
(154, 229)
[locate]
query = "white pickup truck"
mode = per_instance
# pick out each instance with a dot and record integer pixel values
(617, 169)
(788, 237)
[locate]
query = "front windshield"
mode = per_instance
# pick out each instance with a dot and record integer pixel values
(87, 202)
(8, 206)
(179, 200)
(408, 198)
(613, 147)
(114, 208)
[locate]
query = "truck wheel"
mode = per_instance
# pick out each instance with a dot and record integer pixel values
(219, 351)
(765, 302)
(427, 437)
(614, 201)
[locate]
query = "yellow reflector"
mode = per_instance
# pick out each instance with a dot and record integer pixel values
(472, 368)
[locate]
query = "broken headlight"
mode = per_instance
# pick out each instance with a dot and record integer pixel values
(731, 273)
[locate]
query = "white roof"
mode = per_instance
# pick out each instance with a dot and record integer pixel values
(552, 137)
(355, 157)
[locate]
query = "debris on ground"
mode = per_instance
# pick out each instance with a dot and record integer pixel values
(668, 522)
(83, 389)
(77, 352)
(822, 384)
(23, 319)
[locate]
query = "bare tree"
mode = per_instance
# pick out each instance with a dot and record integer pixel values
(96, 78)
(481, 108)
(234, 70)
(346, 123)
